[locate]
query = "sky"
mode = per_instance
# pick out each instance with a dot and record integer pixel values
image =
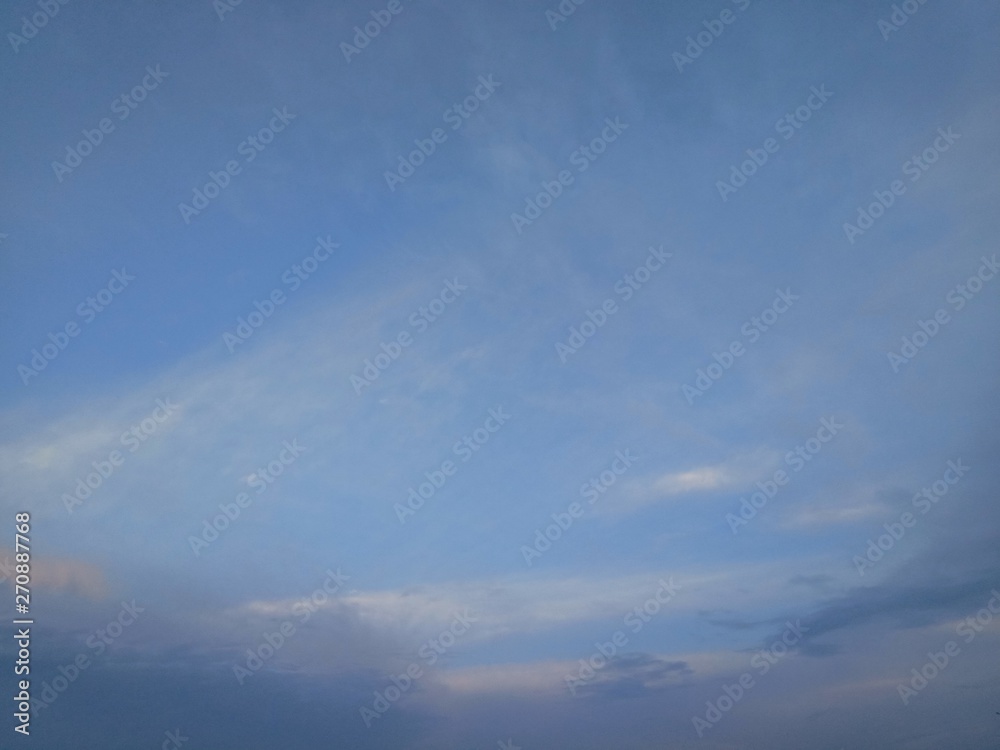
(429, 375)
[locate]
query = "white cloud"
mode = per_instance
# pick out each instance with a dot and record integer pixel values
(859, 503)
(532, 605)
(734, 474)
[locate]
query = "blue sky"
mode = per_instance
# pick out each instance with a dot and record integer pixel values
(812, 309)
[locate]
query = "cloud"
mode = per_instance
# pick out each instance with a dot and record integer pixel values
(62, 574)
(828, 508)
(523, 605)
(735, 473)
(501, 606)
(634, 674)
